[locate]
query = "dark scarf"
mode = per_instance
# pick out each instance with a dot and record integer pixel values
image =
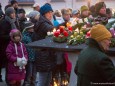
(11, 21)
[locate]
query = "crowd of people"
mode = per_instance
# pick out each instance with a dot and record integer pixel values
(22, 63)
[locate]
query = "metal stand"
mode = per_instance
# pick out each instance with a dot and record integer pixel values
(73, 77)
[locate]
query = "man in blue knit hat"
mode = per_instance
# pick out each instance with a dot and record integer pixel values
(44, 59)
(45, 8)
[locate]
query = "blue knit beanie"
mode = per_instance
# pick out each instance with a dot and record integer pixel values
(45, 8)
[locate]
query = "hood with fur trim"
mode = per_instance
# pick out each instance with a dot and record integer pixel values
(15, 32)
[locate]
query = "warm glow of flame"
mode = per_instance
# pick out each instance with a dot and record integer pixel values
(113, 11)
(54, 30)
(55, 84)
(65, 82)
(68, 24)
(77, 30)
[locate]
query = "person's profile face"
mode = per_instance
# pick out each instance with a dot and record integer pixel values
(66, 17)
(13, 15)
(102, 10)
(106, 43)
(49, 15)
(15, 5)
(85, 13)
(37, 17)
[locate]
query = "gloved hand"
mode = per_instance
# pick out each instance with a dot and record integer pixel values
(24, 61)
(19, 61)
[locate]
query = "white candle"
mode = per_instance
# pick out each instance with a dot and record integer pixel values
(51, 33)
(85, 19)
(77, 30)
(54, 30)
(80, 21)
(48, 33)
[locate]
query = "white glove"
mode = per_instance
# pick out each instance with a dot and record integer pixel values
(24, 61)
(19, 61)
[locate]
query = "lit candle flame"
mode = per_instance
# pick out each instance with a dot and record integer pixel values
(77, 30)
(113, 11)
(54, 30)
(65, 82)
(55, 84)
(68, 24)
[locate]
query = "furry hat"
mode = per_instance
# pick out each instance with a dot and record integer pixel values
(98, 6)
(84, 8)
(15, 32)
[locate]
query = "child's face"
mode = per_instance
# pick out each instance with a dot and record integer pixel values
(17, 39)
(85, 13)
(37, 17)
(66, 17)
(31, 30)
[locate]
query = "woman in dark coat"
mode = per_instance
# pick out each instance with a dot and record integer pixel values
(6, 25)
(101, 15)
(1, 18)
(94, 67)
(45, 59)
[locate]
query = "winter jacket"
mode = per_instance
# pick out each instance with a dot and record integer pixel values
(21, 23)
(5, 29)
(27, 38)
(55, 22)
(110, 24)
(101, 19)
(94, 66)
(41, 28)
(45, 59)
(13, 72)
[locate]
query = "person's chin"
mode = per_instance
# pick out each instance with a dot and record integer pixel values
(107, 48)
(17, 41)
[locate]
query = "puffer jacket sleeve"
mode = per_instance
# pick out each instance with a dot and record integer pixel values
(107, 69)
(43, 25)
(46, 27)
(25, 52)
(11, 56)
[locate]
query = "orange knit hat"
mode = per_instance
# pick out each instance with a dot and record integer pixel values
(99, 32)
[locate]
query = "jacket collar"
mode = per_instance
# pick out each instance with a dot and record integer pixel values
(45, 19)
(27, 33)
(12, 43)
(93, 43)
(42, 19)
